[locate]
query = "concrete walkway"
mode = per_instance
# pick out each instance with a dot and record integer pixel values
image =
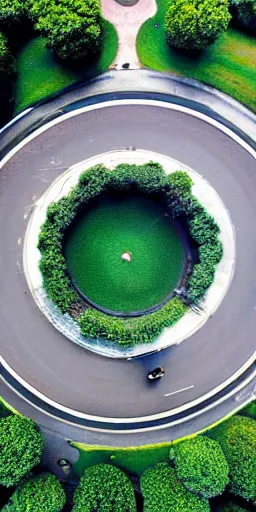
(127, 21)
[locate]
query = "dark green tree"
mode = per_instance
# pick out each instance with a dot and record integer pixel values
(237, 438)
(73, 29)
(104, 488)
(162, 491)
(41, 493)
(12, 13)
(229, 506)
(246, 15)
(6, 63)
(194, 24)
(21, 446)
(201, 466)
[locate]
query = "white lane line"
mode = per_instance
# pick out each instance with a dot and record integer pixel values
(179, 391)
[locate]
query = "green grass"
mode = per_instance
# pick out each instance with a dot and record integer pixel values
(229, 64)
(40, 75)
(115, 225)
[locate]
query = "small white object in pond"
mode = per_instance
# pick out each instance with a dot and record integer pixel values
(126, 256)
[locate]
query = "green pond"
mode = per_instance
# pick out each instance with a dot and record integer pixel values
(133, 226)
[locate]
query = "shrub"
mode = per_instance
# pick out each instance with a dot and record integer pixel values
(237, 438)
(203, 228)
(42, 493)
(146, 178)
(194, 24)
(200, 280)
(6, 63)
(12, 12)
(73, 29)
(211, 253)
(144, 329)
(181, 182)
(201, 466)
(246, 15)
(229, 507)
(163, 491)
(104, 488)
(21, 446)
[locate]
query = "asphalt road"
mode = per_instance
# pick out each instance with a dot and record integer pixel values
(73, 376)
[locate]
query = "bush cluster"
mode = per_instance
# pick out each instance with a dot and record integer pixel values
(194, 24)
(176, 192)
(72, 28)
(229, 506)
(41, 493)
(162, 490)
(6, 63)
(237, 438)
(104, 488)
(12, 13)
(201, 466)
(21, 446)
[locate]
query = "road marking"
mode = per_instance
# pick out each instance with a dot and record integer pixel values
(179, 391)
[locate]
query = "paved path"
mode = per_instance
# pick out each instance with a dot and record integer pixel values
(127, 21)
(79, 379)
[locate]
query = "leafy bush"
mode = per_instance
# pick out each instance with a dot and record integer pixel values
(73, 29)
(194, 24)
(246, 15)
(12, 12)
(146, 178)
(104, 488)
(203, 228)
(6, 63)
(201, 466)
(21, 446)
(163, 491)
(181, 182)
(237, 438)
(144, 329)
(211, 253)
(42, 493)
(200, 280)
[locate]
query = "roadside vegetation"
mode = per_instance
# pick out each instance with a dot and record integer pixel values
(212, 471)
(228, 63)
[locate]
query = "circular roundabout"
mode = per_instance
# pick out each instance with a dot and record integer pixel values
(113, 393)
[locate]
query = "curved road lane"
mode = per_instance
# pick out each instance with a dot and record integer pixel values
(82, 380)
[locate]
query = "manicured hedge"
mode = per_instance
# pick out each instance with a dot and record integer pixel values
(162, 491)
(237, 438)
(194, 24)
(21, 446)
(72, 28)
(175, 191)
(41, 493)
(104, 488)
(201, 466)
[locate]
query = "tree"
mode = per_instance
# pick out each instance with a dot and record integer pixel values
(194, 24)
(12, 13)
(104, 488)
(6, 63)
(201, 466)
(73, 29)
(21, 446)
(41, 493)
(246, 15)
(237, 438)
(163, 491)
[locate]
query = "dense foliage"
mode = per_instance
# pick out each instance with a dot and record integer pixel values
(162, 490)
(229, 507)
(246, 15)
(42, 493)
(72, 28)
(201, 466)
(21, 446)
(194, 24)
(6, 63)
(237, 438)
(104, 488)
(175, 192)
(12, 12)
